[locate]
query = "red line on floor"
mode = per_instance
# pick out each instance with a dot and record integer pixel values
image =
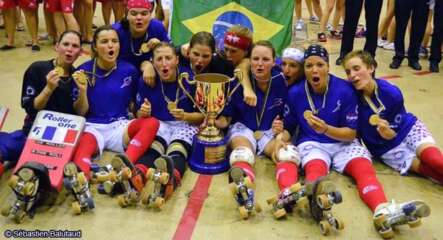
(389, 77)
(3, 114)
(192, 211)
(422, 73)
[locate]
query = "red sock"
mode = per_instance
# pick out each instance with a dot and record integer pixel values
(286, 174)
(433, 158)
(315, 169)
(86, 148)
(142, 132)
(246, 168)
(143, 169)
(428, 171)
(369, 188)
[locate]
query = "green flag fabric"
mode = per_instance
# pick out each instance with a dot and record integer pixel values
(268, 19)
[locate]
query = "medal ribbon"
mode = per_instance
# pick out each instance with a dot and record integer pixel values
(371, 104)
(311, 102)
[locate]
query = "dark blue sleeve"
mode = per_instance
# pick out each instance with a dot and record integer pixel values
(290, 115)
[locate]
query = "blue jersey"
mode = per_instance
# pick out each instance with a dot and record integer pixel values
(395, 113)
(130, 47)
(242, 112)
(159, 105)
(340, 109)
(111, 95)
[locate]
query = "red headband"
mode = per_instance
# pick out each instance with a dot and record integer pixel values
(139, 4)
(237, 41)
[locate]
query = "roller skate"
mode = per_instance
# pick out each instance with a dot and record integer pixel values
(322, 196)
(128, 177)
(388, 215)
(77, 183)
(243, 189)
(160, 183)
(287, 199)
(25, 184)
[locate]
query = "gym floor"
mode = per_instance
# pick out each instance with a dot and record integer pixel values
(203, 207)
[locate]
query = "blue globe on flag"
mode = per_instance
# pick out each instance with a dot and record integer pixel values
(227, 20)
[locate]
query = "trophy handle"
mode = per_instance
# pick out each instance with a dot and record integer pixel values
(185, 76)
(237, 75)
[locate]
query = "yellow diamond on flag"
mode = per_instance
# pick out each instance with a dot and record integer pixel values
(263, 28)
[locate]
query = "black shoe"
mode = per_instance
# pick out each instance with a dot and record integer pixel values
(6, 47)
(339, 61)
(433, 67)
(35, 48)
(395, 64)
(415, 65)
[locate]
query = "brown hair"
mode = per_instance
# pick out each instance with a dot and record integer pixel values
(365, 57)
(163, 44)
(264, 43)
(203, 38)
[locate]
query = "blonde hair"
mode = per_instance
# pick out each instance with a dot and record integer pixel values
(241, 31)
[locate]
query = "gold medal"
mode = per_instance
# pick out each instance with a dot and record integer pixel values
(59, 70)
(172, 105)
(80, 77)
(144, 48)
(258, 135)
(307, 114)
(374, 119)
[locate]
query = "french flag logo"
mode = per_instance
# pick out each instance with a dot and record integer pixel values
(59, 135)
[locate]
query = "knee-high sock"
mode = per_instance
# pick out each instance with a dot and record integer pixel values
(2, 169)
(286, 174)
(247, 168)
(369, 188)
(433, 158)
(86, 148)
(315, 169)
(142, 132)
(428, 171)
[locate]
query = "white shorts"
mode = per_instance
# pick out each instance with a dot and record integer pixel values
(335, 155)
(400, 158)
(176, 130)
(240, 130)
(109, 136)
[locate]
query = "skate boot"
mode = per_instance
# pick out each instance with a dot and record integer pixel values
(388, 215)
(129, 178)
(77, 183)
(322, 196)
(287, 199)
(25, 184)
(160, 183)
(243, 189)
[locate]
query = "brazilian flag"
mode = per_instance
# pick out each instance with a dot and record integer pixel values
(268, 19)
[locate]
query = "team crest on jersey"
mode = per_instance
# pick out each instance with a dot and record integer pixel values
(277, 102)
(337, 108)
(30, 91)
(126, 82)
(286, 111)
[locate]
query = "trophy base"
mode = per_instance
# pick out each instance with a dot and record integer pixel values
(208, 157)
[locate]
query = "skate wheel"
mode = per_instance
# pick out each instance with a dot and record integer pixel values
(126, 173)
(101, 178)
(19, 217)
(323, 201)
(243, 212)
(28, 189)
(159, 202)
(295, 188)
(6, 210)
(257, 207)
(122, 201)
(147, 191)
(379, 221)
(13, 181)
(248, 182)
(272, 200)
(414, 223)
(386, 234)
(108, 186)
(303, 204)
(339, 225)
(90, 203)
(164, 178)
(26, 174)
(150, 174)
(233, 188)
(82, 180)
(325, 227)
(76, 208)
(133, 197)
(279, 213)
(113, 176)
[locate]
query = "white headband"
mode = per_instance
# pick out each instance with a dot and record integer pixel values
(294, 54)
